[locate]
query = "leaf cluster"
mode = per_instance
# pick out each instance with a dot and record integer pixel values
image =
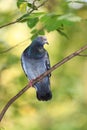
(39, 22)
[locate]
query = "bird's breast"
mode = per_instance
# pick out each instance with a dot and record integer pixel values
(33, 67)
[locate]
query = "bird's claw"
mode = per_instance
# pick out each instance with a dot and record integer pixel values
(31, 82)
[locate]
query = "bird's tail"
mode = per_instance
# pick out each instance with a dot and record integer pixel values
(44, 97)
(43, 91)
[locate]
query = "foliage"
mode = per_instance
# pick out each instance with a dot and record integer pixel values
(46, 20)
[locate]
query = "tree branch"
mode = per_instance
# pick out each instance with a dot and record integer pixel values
(13, 99)
(8, 24)
(19, 19)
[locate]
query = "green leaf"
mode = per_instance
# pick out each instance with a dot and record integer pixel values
(36, 14)
(41, 32)
(37, 32)
(25, 17)
(63, 33)
(34, 36)
(19, 2)
(32, 6)
(53, 21)
(23, 7)
(34, 31)
(50, 22)
(31, 22)
(46, 17)
(29, 5)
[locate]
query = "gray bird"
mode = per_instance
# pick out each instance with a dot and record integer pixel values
(35, 61)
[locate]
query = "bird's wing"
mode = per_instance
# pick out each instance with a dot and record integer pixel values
(23, 65)
(35, 67)
(47, 62)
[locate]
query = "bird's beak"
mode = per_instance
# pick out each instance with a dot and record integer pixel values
(47, 43)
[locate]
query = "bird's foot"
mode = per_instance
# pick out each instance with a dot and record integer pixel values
(31, 82)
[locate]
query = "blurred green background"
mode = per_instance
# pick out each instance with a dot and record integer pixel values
(68, 108)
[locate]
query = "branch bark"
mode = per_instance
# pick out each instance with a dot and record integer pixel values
(13, 99)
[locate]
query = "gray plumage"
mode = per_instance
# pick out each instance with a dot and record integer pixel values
(35, 61)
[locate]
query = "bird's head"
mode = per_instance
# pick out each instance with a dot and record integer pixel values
(41, 40)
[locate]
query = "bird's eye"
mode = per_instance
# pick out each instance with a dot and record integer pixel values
(42, 39)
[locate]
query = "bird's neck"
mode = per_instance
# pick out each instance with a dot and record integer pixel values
(37, 51)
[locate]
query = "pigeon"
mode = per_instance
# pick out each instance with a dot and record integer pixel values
(35, 61)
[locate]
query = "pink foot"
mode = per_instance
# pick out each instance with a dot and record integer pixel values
(31, 83)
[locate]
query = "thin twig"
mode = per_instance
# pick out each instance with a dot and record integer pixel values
(13, 99)
(83, 55)
(18, 44)
(8, 24)
(34, 2)
(19, 19)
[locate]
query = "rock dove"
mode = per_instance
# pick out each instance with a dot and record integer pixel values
(35, 61)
